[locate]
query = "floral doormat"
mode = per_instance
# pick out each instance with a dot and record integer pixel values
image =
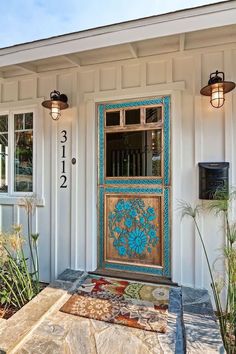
(122, 302)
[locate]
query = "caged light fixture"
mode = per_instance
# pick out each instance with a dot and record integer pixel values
(57, 102)
(217, 88)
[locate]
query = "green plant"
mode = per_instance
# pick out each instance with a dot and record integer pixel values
(29, 205)
(221, 205)
(19, 275)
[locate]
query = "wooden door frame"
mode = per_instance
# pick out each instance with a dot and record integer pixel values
(88, 260)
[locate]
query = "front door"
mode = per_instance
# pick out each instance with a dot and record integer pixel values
(134, 186)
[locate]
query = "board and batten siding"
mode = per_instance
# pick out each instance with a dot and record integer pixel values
(67, 219)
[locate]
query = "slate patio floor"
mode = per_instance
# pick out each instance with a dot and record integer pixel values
(40, 328)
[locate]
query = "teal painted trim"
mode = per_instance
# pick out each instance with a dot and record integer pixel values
(135, 103)
(101, 226)
(101, 144)
(166, 132)
(167, 270)
(134, 181)
(133, 268)
(134, 190)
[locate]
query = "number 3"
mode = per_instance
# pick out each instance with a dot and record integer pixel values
(64, 136)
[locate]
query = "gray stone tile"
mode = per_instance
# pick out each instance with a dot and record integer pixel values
(197, 301)
(175, 300)
(200, 325)
(70, 275)
(173, 340)
(117, 340)
(202, 335)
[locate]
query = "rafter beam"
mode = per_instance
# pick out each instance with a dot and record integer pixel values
(133, 50)
(28, 67)
(182, 42)
(73, 59)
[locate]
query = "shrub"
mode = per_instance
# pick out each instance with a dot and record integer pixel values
(19, 275)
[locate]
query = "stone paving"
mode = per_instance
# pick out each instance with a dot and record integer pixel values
(40, 328)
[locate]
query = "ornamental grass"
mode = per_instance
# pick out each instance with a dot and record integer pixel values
(221, 206)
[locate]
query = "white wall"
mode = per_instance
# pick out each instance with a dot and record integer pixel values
(67, 222)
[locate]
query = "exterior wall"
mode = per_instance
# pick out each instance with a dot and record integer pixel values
(67, 219)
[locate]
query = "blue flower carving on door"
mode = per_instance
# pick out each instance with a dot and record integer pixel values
(131, 227)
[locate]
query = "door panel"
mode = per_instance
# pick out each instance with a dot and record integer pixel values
(134, 186)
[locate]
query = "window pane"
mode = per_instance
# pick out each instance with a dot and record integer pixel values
(153, 114)
(4, 124)
(3, 163)
(112, 118)
(133, 153)
(19, 121)
(23, 161)
(29, 120)
(132, 116)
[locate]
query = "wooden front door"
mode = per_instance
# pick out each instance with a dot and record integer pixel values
(134, 186)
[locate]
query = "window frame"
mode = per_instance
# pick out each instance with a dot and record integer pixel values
(12, 197)
(142, 126)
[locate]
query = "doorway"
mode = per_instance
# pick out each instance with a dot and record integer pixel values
(134, 187)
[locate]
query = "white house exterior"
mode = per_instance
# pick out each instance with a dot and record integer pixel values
(171, 56)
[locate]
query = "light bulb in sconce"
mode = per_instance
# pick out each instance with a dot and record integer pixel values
(55, 111)
(217, 96)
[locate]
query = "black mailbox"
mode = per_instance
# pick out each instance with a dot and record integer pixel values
(212, 177)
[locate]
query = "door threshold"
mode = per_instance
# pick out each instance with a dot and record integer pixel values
(146, 278)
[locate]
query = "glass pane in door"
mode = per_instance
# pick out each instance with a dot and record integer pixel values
(136, 153)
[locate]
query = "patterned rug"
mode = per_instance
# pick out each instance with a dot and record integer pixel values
(122, 302)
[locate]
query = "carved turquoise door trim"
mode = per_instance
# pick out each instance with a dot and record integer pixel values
(139, 188)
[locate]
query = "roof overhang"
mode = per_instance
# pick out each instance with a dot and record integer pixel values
(200, 18)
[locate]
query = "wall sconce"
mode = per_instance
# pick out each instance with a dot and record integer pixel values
(57, 102)
(216, 88)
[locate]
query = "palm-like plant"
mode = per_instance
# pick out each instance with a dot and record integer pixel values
(221, 205)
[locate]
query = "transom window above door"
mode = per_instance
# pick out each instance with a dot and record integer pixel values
(134, 142)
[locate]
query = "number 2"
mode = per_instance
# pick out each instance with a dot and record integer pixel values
(63, 184)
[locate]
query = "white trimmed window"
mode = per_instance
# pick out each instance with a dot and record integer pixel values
(17, 152)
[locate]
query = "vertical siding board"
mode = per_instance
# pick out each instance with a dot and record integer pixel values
(7, 217)
(45, 221)
(64, 194)
(91, 189)
(169, 70)
(44, 242)
(53, 195)
(81, 183)
(183, 71)
(233, 99)
(213, 143)
(228, 115)
(74, 196)
(198, 145)
(176, 141)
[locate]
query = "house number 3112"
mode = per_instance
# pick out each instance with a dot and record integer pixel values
(63, 177)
